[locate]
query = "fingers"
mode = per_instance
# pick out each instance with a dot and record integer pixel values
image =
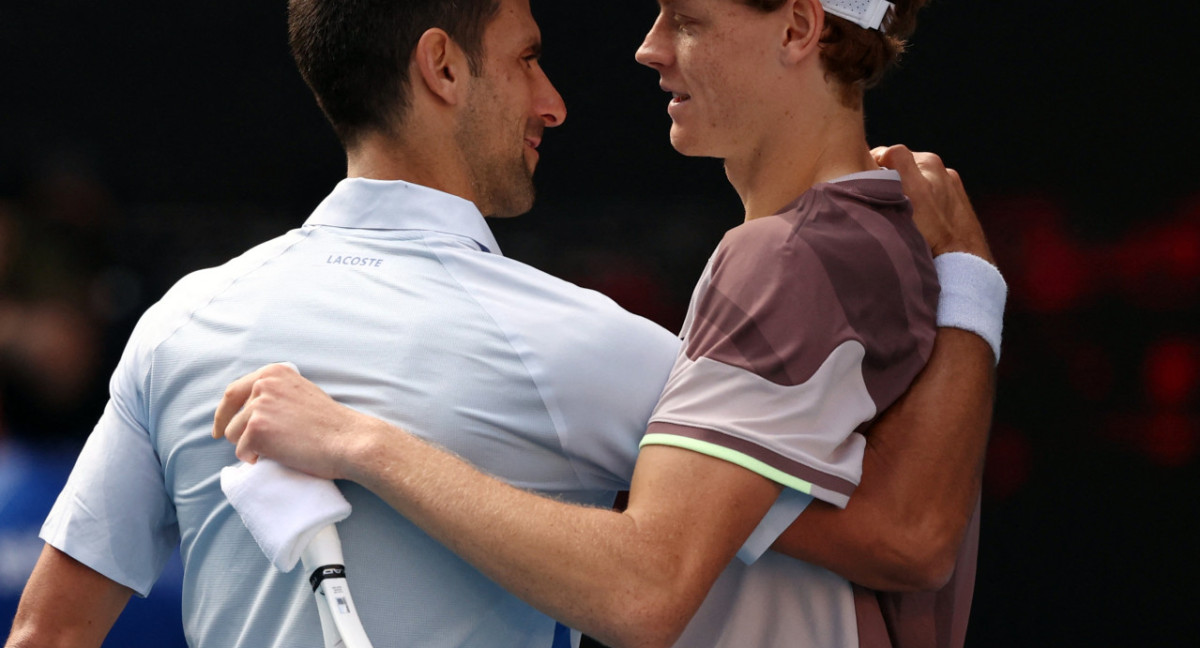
(910, 163)
(238, 393)
(956, 179)
(236, 429)
(237, 425)
(896, 157)
(244, 453)
(928, 185)
(930, 164)
(235, 397)
(941, 207)
(917, 170)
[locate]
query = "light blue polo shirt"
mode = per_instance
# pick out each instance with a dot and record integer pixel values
(396, 300)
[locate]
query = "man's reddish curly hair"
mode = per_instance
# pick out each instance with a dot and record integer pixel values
(858, 57)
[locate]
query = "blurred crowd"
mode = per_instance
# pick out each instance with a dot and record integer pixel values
(56, 301)
(1093, 459)
(68, 299)
(1102, 337)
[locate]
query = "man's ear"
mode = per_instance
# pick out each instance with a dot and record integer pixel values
(805, 25)
(441, 66)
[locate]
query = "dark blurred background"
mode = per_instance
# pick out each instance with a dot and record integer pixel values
(142, 140)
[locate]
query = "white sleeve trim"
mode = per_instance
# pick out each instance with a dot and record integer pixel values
(783, 512)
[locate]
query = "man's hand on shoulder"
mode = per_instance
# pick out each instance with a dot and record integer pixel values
(941, 208)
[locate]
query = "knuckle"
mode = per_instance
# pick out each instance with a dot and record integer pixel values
(260, 388)
(930, 160)
(896, 155)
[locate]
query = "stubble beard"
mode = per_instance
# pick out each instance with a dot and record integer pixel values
(504, 185)
(498, 173)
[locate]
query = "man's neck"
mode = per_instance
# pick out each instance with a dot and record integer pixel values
(399, 157)
(807, 148)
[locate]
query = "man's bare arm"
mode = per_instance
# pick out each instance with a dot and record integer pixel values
(633, 578)
(923, 465)
(921, 479)
(66, 605)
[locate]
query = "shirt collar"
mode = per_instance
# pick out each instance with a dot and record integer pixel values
(361, 203)
(879, 174)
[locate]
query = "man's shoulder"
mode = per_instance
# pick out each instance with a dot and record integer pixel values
(846, 225)
(823, 216)
(527, 293)
(194, 291)
(201, 284)
(556, 326)
(826, 270)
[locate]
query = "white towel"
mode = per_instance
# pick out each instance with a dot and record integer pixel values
(282, 508)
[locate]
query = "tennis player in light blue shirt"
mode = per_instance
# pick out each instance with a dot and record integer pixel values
(396, 299)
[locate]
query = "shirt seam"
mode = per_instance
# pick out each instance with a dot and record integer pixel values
(555, 413)
(191, 316)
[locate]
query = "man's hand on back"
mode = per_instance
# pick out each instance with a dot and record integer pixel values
(275, 412)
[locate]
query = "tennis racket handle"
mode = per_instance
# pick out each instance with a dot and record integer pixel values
(324, 549)
(340, 624)
(329, 631)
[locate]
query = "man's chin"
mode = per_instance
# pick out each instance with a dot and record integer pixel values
(515, 204)
(506, 212)
(685, 145)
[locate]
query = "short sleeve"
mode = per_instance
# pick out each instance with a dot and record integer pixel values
(794, 333)
(604, 389)
(598, 369)
(114, 514)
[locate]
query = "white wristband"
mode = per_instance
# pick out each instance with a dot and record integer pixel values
(973, 295)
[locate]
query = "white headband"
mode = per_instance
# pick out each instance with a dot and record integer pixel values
(868, 14)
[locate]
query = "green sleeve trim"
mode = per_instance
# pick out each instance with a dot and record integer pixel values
(732, 456)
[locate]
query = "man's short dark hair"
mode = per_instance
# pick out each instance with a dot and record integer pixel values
(354, 54)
